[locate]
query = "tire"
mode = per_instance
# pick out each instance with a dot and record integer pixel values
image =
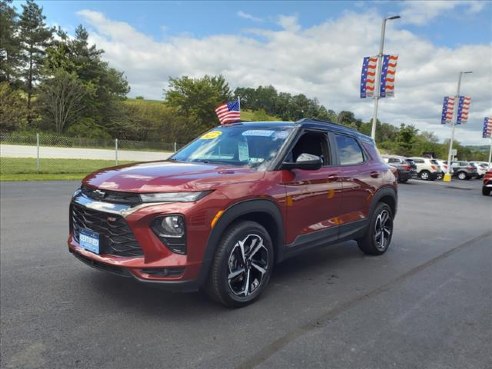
(462, 176)
(486, 191)
(425, 175)
(374, 241)
(403, 180)
(242, 265)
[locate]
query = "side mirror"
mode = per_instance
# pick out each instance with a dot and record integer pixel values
(304, 161)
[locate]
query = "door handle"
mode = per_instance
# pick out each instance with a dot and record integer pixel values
(374, 174)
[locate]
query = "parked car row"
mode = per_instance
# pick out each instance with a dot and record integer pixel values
(430, 169)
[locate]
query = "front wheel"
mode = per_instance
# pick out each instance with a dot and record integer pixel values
(486, 191)
(425, 175)
(242, 265)
(378, 236)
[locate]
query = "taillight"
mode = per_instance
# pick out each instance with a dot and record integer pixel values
(433, 167)
(470, 168)
(408, 167)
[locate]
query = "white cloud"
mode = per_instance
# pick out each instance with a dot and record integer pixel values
(248, 16)
(322, 61)
(421, 12)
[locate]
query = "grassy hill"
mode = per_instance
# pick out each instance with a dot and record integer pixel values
(248, 115)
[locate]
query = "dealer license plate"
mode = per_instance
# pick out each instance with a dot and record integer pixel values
(89, 240)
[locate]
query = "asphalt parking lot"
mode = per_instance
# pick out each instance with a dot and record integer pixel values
(426, 303)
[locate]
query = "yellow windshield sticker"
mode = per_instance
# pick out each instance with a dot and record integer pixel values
(211, 135)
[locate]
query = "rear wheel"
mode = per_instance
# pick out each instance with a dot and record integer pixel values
(486, 191)
(462, 175)
(378, 236)
(242, 265)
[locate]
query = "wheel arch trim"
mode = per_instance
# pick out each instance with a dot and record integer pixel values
(232, 214)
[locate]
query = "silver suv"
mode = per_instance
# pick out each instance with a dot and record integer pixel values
(463, 170)
(427, 169)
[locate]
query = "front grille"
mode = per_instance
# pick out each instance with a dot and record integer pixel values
(115, 237)
(112, 196)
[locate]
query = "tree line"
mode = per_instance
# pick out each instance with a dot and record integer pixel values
(54, 82)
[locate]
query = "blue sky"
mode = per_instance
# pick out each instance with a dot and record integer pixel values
(310, 47)
(162, 19)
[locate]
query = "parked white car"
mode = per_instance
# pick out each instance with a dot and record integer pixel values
(482, 168)
(427, 169)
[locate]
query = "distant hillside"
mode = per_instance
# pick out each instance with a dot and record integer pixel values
(248, 115)
(480, 148)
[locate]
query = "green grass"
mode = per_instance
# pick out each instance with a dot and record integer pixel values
(24, 169)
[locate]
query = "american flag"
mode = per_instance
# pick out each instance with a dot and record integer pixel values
(463, 109)
(228, 112)
(388, 71)
(487, 127)
(368, 76)
(447, 110)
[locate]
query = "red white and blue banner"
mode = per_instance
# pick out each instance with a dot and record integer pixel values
(388, 71)
(368, 76)
(487, 127)
(228, 112)
(463, 109)
(447, 110)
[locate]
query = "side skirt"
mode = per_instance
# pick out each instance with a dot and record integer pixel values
(323, 238)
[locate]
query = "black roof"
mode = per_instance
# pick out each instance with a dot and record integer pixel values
(311, 123)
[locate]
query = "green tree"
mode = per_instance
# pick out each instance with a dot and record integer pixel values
(10, 47)
(197, 98)
(62, 98)
(106, 85)
(406, 137)
(13, 113)
(35, 36)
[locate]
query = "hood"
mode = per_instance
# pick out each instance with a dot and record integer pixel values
(168, 176)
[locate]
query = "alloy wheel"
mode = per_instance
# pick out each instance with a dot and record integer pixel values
(247, 265)
(383, 229)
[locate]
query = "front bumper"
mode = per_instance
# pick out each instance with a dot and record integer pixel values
(175, 285)
(149, 260)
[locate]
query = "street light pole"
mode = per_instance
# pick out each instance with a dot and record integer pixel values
(447, 176)
(378, 75)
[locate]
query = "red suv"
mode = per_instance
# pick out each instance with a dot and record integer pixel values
(223, 210)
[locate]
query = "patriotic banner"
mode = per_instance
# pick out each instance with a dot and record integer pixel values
(228, 112)
(447, 110)
(487, 127)
(463, 109)
(368, 76)
(388, 70)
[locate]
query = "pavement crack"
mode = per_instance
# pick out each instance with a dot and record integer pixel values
(323, 319)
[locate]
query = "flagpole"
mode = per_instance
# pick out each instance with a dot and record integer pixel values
(378, 76)
(239, 102)
(447, 176)
(490, 154)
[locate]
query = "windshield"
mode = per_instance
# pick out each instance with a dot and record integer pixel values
(236, 145)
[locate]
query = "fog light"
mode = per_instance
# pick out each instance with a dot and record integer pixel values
(171, 231)
(170, 226)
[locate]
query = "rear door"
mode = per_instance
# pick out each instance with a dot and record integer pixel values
(359, 177)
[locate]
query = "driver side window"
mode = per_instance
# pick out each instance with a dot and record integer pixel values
(314, 143)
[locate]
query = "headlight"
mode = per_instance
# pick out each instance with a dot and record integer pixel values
(173, 196)
(171, 231)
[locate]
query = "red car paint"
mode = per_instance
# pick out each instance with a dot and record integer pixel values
(332, 198)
